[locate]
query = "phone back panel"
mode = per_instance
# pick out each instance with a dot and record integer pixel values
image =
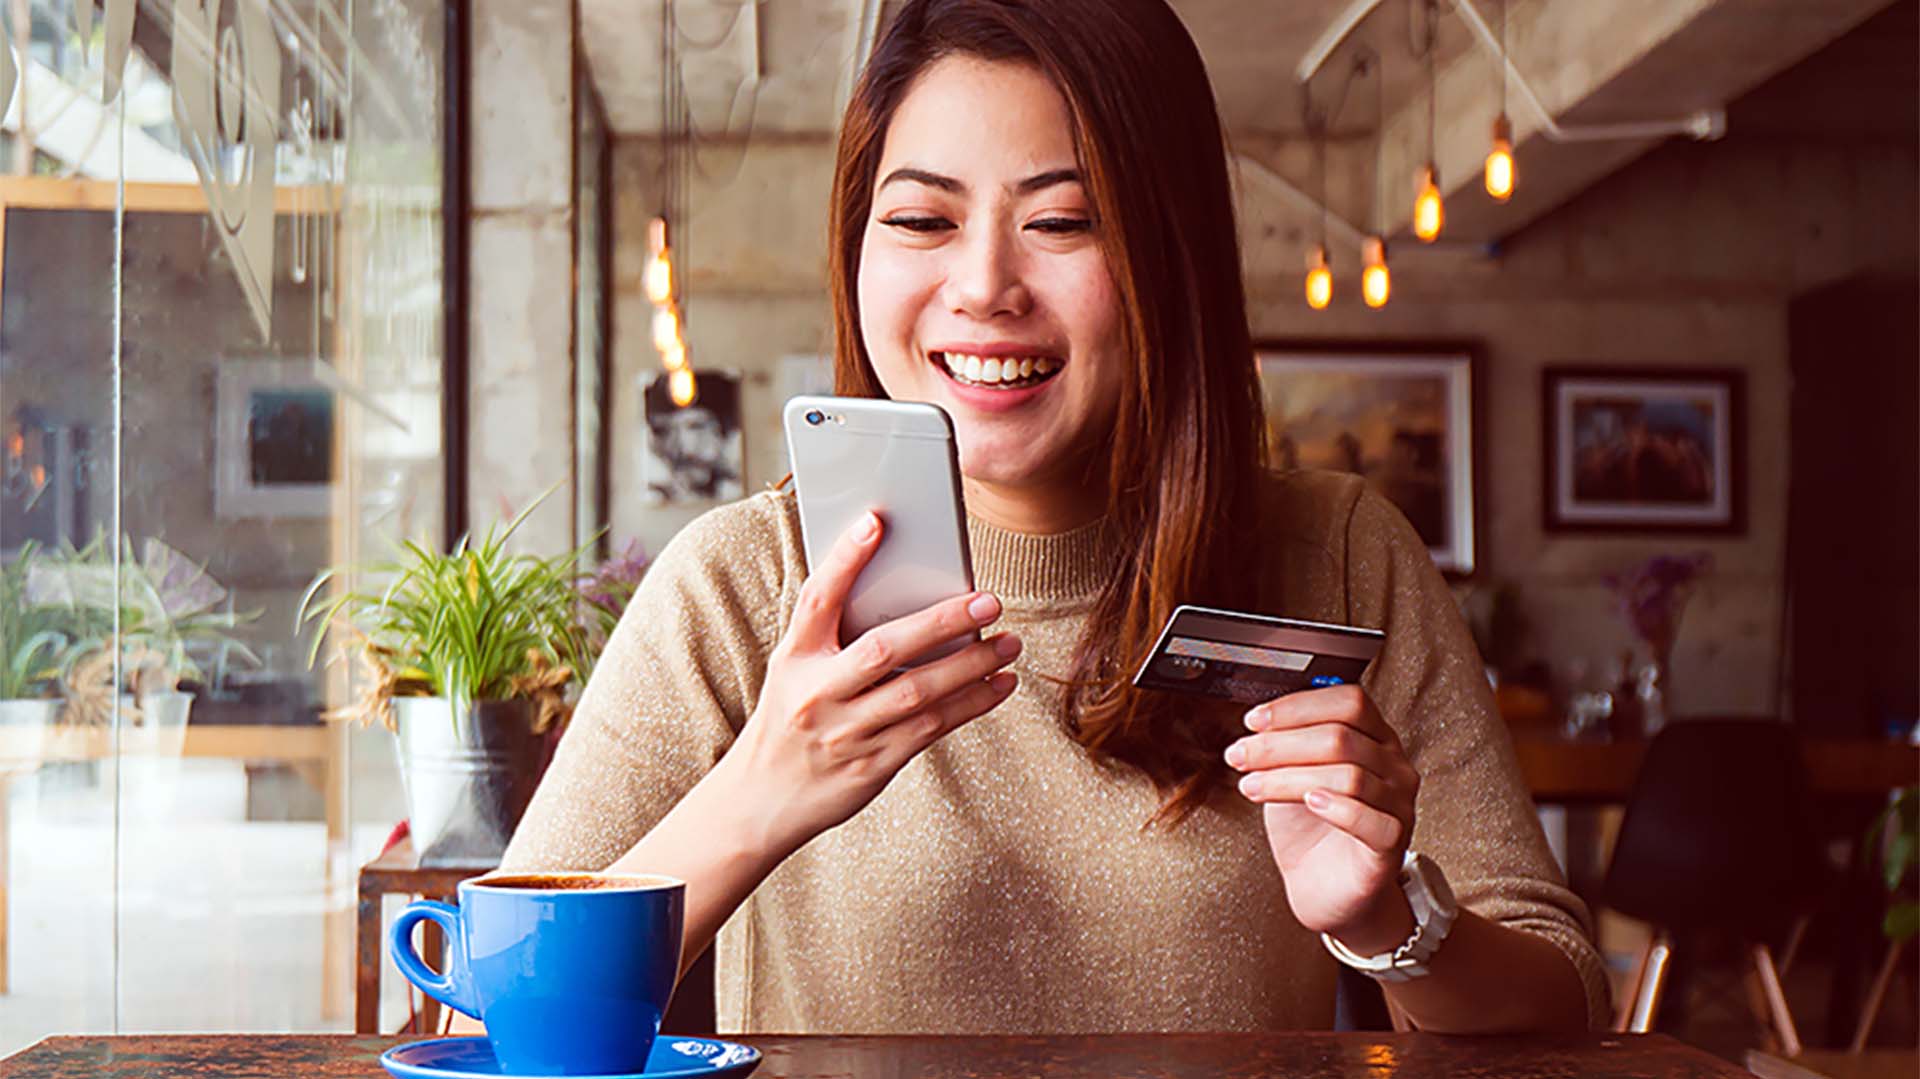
(898, 459)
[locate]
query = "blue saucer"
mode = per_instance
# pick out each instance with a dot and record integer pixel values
(673, 1057)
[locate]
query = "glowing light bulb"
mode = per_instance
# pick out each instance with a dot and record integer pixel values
(1500, 160)
(1427, 211)
(675, 357)
(1319, 280)
(659, 276)
(1375, 282)
(657, 235)
(680, 386)
(666, 329)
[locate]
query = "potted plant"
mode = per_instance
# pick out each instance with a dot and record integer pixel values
(1894, 837)
(472, 654)
(137, 631)
(34, 641)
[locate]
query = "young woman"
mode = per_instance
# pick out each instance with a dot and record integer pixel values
(1032, 227)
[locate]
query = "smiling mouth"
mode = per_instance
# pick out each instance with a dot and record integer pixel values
(997, 372)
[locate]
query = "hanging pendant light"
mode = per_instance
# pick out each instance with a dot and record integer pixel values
(1319, 279)
(1500, 157)
(659, 273)
(666, 329)
(1428, 211)
(1500, 160)
(1375, 282)
(681, 387)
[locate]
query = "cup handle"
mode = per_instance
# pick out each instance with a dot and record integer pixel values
(453, 987)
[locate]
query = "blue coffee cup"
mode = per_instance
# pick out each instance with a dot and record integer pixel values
(570, 972)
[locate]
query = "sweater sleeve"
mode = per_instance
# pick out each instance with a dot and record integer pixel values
(673, 687)
(1473, 815)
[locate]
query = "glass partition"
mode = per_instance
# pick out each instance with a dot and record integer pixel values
(221, 363)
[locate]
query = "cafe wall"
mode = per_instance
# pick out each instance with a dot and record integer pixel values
(1687, 256)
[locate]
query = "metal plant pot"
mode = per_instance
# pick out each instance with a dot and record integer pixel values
(468, 782)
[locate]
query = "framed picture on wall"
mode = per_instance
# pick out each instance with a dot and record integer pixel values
(273, 440)
(1639, 450)
(692, 453)
(1402, 417)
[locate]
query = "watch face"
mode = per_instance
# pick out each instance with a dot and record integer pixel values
(1426, 877)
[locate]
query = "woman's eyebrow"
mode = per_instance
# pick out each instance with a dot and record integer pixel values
(947, 183)
(1047, 179)
(922, 176)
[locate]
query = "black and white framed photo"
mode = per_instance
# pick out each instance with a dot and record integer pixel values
(1401, 416)
(273, 440)
(695, 452)
(1644, 450)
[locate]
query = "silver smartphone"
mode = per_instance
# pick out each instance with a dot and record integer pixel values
(898, 459)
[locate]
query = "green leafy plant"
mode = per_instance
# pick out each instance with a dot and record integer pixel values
(1896, 835)
(35, 638)
(476, 623)
(169, 607)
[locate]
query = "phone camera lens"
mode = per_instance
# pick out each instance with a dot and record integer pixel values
(815, 417)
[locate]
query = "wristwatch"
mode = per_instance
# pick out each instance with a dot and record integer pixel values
(1434, 910)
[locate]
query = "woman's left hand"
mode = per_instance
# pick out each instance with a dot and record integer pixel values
(1338, 793)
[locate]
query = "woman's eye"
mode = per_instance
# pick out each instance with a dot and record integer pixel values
(917, 224)
(1061, 225)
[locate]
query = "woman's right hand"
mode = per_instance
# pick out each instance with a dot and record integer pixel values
(828, 734)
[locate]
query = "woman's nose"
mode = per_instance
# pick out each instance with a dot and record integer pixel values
(985, 279)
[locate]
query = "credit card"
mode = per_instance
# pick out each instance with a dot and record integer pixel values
(1249, 658)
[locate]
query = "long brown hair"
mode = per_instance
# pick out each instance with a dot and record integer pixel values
(1188, 437)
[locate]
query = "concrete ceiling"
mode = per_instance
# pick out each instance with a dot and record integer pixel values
(780, 69)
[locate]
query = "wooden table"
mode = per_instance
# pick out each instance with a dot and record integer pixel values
(1565, 772)
(396, 871)
(317, 751)
(1165, 1056)
(1834, 1064)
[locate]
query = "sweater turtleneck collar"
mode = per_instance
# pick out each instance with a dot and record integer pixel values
(1061, 567)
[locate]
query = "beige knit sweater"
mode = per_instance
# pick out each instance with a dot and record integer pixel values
(1004, 881)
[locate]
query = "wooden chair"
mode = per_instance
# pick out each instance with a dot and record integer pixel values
(1716, 839)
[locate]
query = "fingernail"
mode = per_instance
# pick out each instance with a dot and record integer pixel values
(984, 608)
(1252, 720)
(1246, 785)
(1236, 754)
(1318, 799)
(1007, 647)
(868, 528)
(1002, 682)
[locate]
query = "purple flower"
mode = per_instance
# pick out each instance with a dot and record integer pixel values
(605, 592)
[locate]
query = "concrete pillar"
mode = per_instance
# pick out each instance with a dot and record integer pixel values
(520, 307)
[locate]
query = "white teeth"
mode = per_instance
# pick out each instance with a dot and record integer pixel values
(994, 370)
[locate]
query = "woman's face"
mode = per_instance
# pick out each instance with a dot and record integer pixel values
(982, 285)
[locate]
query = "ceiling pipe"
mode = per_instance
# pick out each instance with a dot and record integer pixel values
(1346, 232)
(1704, 124)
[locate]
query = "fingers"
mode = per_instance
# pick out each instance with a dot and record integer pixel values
(1377, 829)
(900, 743)
(884, 649)
(925, 687)
(816, 617)
(1322, 743)
(1348, 704)
(1349, 780)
